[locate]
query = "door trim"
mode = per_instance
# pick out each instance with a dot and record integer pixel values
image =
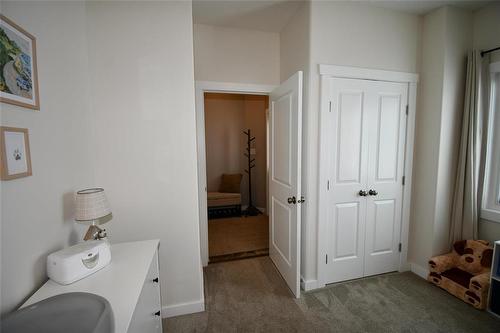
(366, 74)
(201, 87)
(332, 71)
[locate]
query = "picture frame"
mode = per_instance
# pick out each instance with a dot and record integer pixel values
(15, 157)
(18, 66)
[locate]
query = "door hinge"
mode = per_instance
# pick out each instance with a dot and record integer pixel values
(328, 185)
(326, 259)
(400, 246)
(407, 109)
(330, 106)
(404, 180)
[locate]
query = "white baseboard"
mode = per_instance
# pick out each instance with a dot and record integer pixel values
(419, 270)
(307, 285)
(182, 309)
(405, 267)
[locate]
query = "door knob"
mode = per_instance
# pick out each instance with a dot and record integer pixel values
(363, 193)
(301, 200)
(372, 192)
(292, 200)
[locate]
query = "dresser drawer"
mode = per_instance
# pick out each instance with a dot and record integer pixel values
(147, 314)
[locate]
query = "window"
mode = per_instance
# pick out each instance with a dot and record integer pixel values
(491, 196)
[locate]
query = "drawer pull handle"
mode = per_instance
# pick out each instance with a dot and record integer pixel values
(157, 313)
(155, 280)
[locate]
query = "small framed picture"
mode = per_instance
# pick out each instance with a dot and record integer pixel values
(18, 72)
(14, 153)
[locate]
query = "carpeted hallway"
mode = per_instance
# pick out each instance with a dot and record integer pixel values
(250, 296)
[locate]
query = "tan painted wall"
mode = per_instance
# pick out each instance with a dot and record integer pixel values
(223, 139)
(255, 119)
(226, 116)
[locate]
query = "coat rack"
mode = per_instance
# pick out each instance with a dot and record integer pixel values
(251, 210)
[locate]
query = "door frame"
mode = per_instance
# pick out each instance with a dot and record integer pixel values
(201, 87)
(333, 71)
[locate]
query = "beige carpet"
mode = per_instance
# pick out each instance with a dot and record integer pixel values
(250, 296)
(237, 234)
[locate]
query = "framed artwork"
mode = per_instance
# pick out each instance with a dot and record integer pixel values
(15, 159)
(18, 73)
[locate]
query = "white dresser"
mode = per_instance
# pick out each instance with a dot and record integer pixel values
(130, 283)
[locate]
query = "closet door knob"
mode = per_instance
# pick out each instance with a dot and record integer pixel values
(362, 193)
(155, 280)
(372, 192)
(292, 200)
(157, 313)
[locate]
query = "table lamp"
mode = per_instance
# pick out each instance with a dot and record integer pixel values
(92, 208)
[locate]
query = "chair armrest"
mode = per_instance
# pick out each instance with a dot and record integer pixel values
(442, 263)
(480, 282)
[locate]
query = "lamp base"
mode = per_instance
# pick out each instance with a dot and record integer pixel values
(95, 233)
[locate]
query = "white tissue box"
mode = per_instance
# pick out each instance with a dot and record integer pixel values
(76, 262)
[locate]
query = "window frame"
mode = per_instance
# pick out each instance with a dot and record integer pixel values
(490, 204)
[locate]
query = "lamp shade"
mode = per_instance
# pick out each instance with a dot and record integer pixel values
(92, 205)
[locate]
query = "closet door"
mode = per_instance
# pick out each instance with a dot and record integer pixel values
(387, 131)
(348, 176)
(367, 139)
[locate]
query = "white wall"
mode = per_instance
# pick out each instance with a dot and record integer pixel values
(458, 42)
(447, 36)
(143, 126)
(486, 36)
(236, 55)
(349, 34)
(295, 43)
(37, 211)
(117, 111)
(427, 138)
(486, 28)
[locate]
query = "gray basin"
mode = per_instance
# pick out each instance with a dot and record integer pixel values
(71, 312)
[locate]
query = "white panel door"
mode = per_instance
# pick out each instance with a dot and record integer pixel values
(348, 158)
(387, 131)
(368, 129)
(285, 136)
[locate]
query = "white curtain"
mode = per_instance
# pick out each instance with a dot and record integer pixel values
(465, 208)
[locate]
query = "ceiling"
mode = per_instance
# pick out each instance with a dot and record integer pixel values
(425, 6)
(266, 15)
(272, 15)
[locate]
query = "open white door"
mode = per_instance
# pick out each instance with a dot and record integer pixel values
(285, 137)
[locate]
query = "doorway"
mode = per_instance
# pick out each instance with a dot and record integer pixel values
(236, 173)
(284, 197)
